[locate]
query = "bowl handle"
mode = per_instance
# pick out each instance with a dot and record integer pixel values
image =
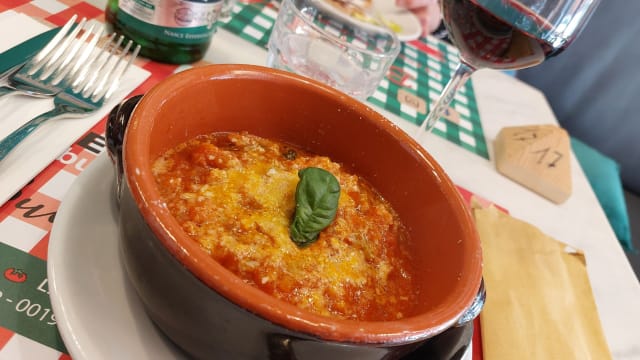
(476, 306)
(116, 125)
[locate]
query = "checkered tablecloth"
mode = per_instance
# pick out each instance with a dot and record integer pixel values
(27, 325)
(411, 87)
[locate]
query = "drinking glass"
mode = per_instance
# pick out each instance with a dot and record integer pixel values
(506, 35)
(315, 39)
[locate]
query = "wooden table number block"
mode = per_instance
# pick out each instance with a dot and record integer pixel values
(536, 157)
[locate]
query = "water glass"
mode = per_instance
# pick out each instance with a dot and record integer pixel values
(315, 39)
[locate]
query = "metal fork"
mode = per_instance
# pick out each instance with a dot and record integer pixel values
(51, 69)
(94, 83)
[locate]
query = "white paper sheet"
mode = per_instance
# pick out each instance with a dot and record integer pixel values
(53, 138)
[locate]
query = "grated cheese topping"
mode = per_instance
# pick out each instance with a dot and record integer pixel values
(234, 193)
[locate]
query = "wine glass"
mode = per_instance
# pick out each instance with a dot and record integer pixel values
(506, 35)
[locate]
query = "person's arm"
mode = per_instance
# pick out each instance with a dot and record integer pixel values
(427, 11)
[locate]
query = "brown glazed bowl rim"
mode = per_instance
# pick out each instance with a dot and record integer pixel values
(214, 275)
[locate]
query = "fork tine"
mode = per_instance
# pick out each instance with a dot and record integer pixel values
(104, 57)
(53, 43)
(72, 62)
(57, 56)
(86, 52)
(109, 75)
(56, 39)
(83, 75)
(65, 62)
(118, 75)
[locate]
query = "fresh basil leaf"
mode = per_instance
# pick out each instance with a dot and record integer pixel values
(317, 196)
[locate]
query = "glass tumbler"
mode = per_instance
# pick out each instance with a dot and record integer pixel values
(345, 48)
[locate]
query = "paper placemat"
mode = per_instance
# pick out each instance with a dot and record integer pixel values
(540, 304)
(411, 86)
(53, 137)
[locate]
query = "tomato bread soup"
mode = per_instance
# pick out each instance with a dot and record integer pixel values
(235, 194)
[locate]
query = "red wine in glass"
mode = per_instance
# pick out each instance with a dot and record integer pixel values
(486, 41)
(506, 35)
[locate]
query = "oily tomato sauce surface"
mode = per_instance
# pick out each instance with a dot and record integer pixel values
(234, 193)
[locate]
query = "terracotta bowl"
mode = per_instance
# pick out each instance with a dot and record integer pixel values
(206, 309)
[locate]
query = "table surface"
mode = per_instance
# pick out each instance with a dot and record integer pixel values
(579, 222)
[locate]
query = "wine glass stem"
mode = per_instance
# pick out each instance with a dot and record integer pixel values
(460, 76)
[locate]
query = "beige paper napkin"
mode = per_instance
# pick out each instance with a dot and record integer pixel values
(53, 138)
(539, 300)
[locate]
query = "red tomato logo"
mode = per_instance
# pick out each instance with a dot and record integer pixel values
(15, 275)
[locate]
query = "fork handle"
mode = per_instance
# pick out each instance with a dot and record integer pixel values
(5, 90)
(12, 140)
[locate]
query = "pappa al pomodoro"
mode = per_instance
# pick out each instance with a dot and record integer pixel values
(362, 10)
(234, 193)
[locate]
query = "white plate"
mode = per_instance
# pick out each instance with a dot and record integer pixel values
(410, 28)
(98, 312)
(99, 315)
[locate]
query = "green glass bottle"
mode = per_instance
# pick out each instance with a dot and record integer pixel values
(171, 31)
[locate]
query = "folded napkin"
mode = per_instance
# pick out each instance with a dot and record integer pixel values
(539, 300)
(54, 137)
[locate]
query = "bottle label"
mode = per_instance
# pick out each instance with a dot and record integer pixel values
(175, 21)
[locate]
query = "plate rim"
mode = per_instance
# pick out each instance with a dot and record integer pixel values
(78, 351)
(68, 324)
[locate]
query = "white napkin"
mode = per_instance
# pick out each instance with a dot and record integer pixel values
(54, 137)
